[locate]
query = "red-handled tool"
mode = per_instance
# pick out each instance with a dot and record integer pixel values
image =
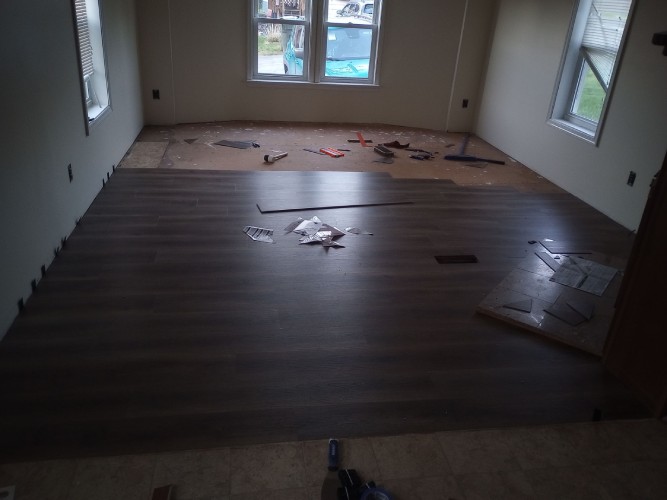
(334, 153)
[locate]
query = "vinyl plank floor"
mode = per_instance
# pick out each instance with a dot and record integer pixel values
(161, 326)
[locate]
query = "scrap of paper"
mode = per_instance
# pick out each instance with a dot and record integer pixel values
(259, 233)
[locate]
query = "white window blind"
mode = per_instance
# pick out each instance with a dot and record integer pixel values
(83, 38)
(603, 35)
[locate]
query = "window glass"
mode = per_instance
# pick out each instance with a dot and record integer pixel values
(589, 65)
(314, 41)
(91, 58)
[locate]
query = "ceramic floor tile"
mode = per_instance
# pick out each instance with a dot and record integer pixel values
(289, 494)
(267, 467)
(196, 475)
(573, 483)
(409, 456)
(354, 454)
(595, 443)
(540, 447)
(499, 485)
(477, 451)
(423, 488)
(127, 477)
(49, 480)
(646, 479)
(639, 439)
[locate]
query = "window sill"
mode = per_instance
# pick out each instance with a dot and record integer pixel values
(96, 114)
(580, 132)
(314, 85)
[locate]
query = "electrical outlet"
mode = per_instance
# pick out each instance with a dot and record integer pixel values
(464, 103)
(156, 93)
(69, 172)
(631, 178)
(7, 493)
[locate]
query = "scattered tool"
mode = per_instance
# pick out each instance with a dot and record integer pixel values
(314, 151)
(421, 151)
(361, 139)
(461, 156)
(273, 158)
(384, 151)
(396, 144)
(331, 482)
(334, 153)
(357, 141)
(238, 144)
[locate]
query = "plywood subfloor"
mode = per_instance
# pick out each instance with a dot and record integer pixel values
(192, 146)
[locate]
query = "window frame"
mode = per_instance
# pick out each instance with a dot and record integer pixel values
(315, 25)
(94, 78)
(571, 74)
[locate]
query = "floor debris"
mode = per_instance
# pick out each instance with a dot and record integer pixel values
(238, 144)
(384, 151)
(259, 233)
(396, 144)
(313, 230)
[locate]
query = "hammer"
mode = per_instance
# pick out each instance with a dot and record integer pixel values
(273, 158)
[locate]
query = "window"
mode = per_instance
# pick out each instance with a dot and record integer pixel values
(317, 41)
(92, 62)
(589, 65)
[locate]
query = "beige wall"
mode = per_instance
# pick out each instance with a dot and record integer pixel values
(195, 52)
(43, 131)
(521, 74)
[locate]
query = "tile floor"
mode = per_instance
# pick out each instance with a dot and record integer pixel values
(596, 460)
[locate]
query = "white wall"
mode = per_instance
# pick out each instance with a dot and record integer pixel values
(521, 74)
(195, 53)
(43, 131)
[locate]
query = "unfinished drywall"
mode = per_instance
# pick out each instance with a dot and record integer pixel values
(521, 75)
(195, 53)
(43, 132)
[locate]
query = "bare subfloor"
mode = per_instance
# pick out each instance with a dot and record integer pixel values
(192, 146)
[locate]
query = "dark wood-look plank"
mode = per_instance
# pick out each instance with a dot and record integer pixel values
(162, 326)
